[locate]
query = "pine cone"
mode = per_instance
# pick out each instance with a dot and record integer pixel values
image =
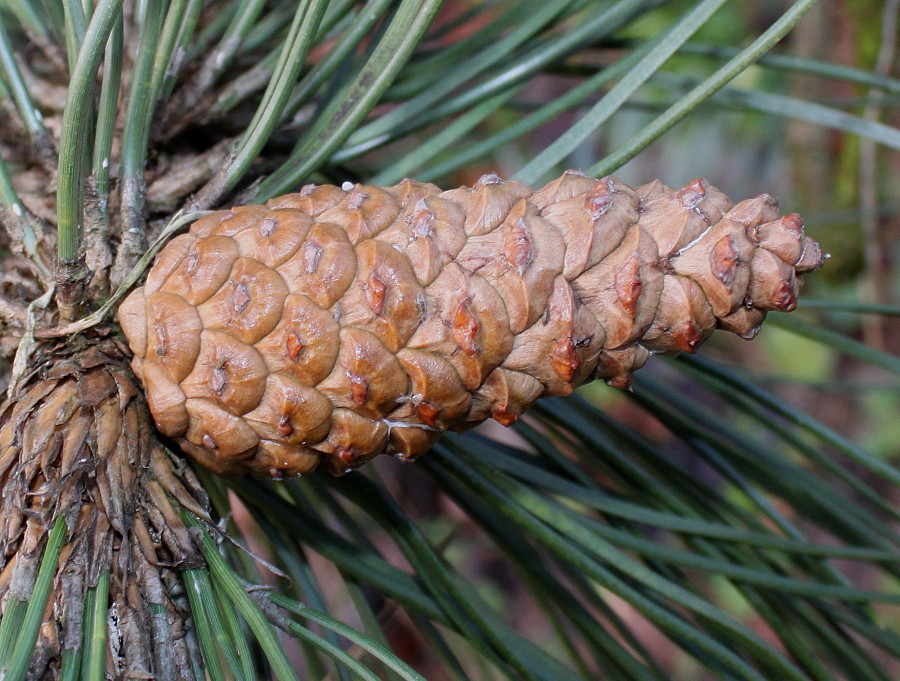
(332, 325)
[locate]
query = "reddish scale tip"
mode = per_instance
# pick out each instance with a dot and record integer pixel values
(784, 298)
(359, 389)
(284, 425)
(723, 259)
(688, 336)
(503, 416)
(345, 454)
(598, 200)
(628, 285)
(565, 360)
(376, 290)
(308, 189)
(464, 329)
(429, 413)
(517, 247)
(294, 346)
(793, 223)
(692, 194)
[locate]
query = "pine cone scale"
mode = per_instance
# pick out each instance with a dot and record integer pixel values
(334, 324)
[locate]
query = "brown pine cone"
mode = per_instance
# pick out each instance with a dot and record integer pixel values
(332, 325)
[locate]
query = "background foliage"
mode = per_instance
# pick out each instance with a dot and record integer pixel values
(730, 520)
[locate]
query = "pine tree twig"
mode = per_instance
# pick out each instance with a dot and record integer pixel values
(180, 54)
(12, 312)
(98, 254)
(178, 221)
(74, 138)
(189, 117)
(11, 123)
(13, 70)
(184, 106)
(52, 50)
(211, 193)
(26, 345)
(133, 237)
(297, 45)
(36, 29)
(186, 99)
(49, 96)
(261, 596)
(19, 224)
(148, 72)
(175, 182)
(72, 278)
(239, 89)
(873, 283)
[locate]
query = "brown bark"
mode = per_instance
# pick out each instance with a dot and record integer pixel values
(78, 442)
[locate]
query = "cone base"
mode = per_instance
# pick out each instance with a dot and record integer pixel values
(78, 442)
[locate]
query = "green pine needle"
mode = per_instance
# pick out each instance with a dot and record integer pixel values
(638, 553)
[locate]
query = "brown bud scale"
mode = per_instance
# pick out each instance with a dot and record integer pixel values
(331, 325)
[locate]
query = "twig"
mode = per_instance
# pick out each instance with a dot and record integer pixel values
(98, 253)
(14, 217)
(239, 89)
(26, 345)
(51, 97)
(134, 226)
(21, 94)
(51, 49)
(184, 176)
(873, 284)
(178, 221)
(186, 98)
(14, 313)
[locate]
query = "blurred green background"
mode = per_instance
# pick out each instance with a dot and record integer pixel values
(846, 188)
(693, 497)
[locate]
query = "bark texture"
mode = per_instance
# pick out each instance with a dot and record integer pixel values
(335, 324)
(78, 442)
